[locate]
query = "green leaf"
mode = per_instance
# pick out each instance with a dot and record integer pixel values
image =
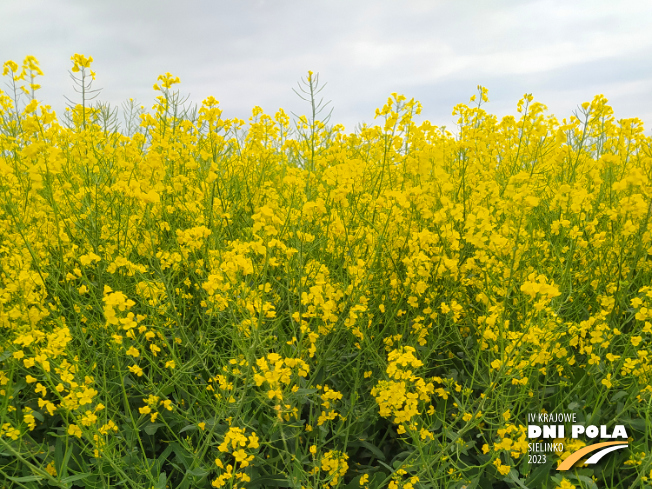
(480, 481)
(304, 391)
(198, 472)
(19, 387)
(61, 457)
(618, 395)
(270, 482)
(513, 476)
(589, 484)
(398, 459)
(371, 447)
(190, 427)
(637, 424)
(76, 477)
(150, 429)
(183, 457)
(451, 435)
(539, 474)
(162, 481)
(27, 478)
(168, 450)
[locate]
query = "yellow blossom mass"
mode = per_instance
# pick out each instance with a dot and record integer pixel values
(283, 303)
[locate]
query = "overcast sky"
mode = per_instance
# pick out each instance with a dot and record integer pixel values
(253, 52)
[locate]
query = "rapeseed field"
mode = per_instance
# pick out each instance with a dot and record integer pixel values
(188, 301)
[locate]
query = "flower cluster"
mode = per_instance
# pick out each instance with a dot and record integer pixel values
(236, 443)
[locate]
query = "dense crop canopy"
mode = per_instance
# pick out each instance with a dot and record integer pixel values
(203, 301)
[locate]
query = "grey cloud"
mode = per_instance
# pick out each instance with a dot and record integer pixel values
(251, 53)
